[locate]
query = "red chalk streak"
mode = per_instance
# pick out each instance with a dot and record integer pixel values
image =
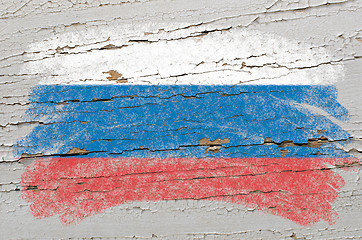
(299, 189)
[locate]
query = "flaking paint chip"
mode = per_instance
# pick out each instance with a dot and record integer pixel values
(208, 142)
(114, 75)
(77, 151)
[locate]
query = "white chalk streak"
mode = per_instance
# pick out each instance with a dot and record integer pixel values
(219, 58)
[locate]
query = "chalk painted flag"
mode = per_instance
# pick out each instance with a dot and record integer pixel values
(243, 117)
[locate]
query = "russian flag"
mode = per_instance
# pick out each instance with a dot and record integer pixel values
(243, 117)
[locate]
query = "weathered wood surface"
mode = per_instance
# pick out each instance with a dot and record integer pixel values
(62, 41)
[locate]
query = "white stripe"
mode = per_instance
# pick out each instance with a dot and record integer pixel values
(218, 58)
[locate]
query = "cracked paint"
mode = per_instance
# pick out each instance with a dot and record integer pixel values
(231, 57)
(180, 119)
(300, 189)
(159, 126)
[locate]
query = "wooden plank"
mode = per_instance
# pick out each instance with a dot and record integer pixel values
(198, 93)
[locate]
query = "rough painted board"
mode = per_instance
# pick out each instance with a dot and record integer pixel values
(180, 119)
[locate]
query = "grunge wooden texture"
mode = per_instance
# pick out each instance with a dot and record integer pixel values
(170, 119)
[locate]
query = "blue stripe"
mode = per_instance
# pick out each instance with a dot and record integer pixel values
(139, 121)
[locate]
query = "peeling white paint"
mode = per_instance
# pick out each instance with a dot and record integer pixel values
(221, 57)
(327, 39)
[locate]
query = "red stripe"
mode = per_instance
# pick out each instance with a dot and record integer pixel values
(299, 189)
